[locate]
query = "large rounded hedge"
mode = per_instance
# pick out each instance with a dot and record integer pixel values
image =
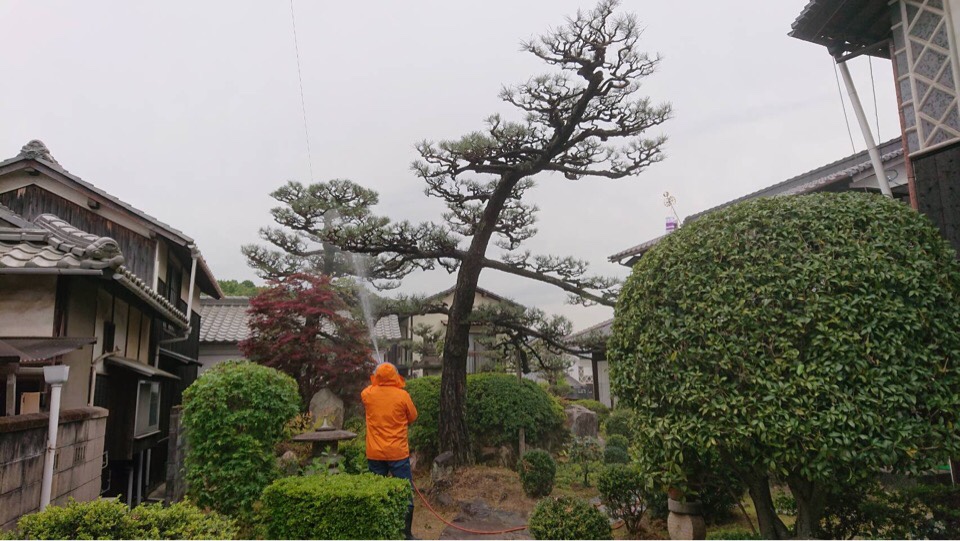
(498, 405)
(816, 337)
(234, 415)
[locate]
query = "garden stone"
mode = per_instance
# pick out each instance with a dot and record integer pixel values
(327, 405)
(289, 463)
(581, 421)
(443, 467)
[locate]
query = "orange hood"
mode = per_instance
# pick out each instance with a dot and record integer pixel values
(386, 375)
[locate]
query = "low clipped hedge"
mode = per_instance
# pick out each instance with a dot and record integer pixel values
(364, 506)
(537, 471)
(568, 518)
(112, 519)
(498, 405)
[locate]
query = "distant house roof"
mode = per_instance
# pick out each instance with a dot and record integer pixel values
(226, 321)
(846, 25)
(823, 178)
(602, 329)
(50, 245)
(35, 154)
(480, 290)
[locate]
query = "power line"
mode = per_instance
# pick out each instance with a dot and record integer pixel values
(303, 102)
(844, 107)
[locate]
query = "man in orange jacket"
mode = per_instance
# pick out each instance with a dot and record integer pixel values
(389, 411)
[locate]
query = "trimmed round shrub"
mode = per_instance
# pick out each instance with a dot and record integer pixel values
(568, 518)
(362, 506)
(498, 405)
(615, 455)
(112, 519)
(620, 423)
(816, 333)
(234, 415)
(622, 490)
(618, 440)
(537, 471)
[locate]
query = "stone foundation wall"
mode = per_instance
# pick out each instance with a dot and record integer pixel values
(79, 458)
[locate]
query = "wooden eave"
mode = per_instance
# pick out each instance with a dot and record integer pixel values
(844, 26)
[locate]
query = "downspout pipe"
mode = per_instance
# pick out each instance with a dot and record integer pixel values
(194, 255)
(864, 127)
(56, 376)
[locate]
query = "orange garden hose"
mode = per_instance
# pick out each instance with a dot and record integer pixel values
(468, 530)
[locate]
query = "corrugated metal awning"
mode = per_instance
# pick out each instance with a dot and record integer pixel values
(138, 367)
(41, 348)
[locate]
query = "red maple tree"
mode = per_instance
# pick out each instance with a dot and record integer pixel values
(302, 326)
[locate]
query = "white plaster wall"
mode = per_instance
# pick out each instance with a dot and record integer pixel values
(81, 320)
(27, 305)
(211, 354)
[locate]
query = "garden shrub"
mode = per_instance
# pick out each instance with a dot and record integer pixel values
(595, 406)
(584, 452)
(618, 440)
(112, 519)
(622, 490)
(568, 518)
(498, 405)
(537, 471)
(620, 422)
(615, 455)
(423, 434)
(362, 506)
(869, 510)
(354, 451)
(234, 415)
(728, 328)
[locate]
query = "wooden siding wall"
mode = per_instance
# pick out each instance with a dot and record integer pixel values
(938, 190)
(32, 201)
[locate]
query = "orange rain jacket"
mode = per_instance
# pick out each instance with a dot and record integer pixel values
(389, 411)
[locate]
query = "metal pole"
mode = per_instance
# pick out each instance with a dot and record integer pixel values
(865, 129)
(47, 481)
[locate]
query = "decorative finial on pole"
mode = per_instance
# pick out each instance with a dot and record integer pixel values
(669, 201)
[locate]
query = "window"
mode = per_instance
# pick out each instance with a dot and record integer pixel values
(148, 409)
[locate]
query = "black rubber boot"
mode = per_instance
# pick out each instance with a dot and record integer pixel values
(408, 529)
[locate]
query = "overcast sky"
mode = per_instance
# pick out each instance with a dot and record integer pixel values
(191, 111)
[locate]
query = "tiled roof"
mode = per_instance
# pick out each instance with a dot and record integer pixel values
(37, 151)
(226, 321)
(52, 244)
(602, 329)
(811, 181)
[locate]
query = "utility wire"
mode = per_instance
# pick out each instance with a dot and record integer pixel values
(843, 106)
(873, 85)
(303, 103)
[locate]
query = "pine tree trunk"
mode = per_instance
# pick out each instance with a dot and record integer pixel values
(453, 433)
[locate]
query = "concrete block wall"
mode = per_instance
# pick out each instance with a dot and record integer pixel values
(23, 440)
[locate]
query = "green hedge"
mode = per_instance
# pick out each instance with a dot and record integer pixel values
(234, 415)
(498, 405)
(568, 518)
(112, 519)
(362, 506)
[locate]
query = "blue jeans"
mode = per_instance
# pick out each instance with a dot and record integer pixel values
(395, 468)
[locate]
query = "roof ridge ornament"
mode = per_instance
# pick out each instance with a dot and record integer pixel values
(79, 242)
(36, 149)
